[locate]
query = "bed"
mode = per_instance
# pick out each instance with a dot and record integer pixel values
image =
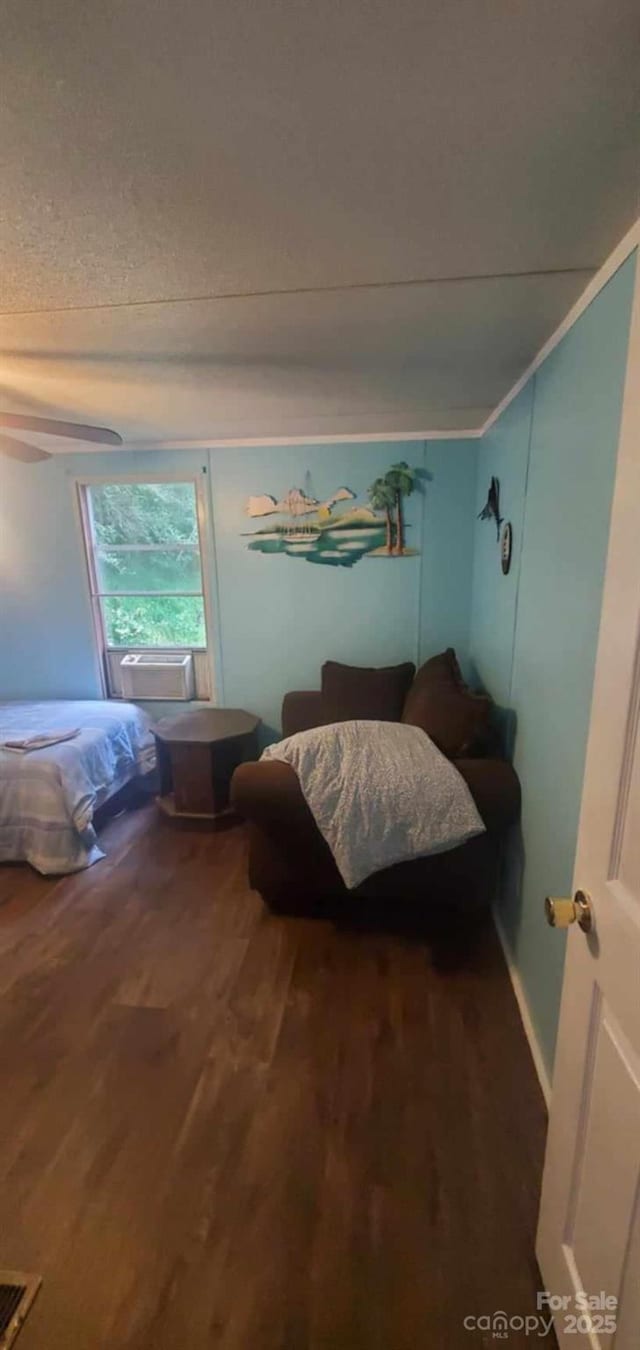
(48, 797)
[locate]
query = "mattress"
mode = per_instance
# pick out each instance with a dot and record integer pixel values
(48, 797)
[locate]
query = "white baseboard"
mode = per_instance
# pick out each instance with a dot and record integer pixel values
(521, 1000)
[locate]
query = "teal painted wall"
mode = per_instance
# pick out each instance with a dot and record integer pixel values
(280, 617)
(45, 647)
(503, 453)
(277, 618)
(534, 634)
(447, 547)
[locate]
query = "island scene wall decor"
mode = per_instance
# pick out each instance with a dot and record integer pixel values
(340, 530)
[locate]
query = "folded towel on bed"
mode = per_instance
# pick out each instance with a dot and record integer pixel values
(21, 747)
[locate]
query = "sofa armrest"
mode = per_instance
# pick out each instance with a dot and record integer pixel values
(495, 788)
(268, 792)
(301, 710)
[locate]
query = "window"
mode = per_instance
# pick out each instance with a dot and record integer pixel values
(145, 565)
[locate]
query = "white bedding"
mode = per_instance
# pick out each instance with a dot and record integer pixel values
(380, 792)
(48, 797)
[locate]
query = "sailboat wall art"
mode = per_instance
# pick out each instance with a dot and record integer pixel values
(337, 532)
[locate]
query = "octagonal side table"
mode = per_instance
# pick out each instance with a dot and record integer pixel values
(197, 754)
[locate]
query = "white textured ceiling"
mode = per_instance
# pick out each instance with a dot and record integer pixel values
(225, 218)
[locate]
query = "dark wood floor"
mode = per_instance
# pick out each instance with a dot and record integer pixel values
(227, 1129)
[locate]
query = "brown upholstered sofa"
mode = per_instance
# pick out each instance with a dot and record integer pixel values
(290, 863)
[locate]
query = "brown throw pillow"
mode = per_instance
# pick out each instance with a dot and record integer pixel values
(443, 667)
(350, 692)
(440, 702)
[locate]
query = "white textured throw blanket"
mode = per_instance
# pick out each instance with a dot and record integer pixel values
(380, 792)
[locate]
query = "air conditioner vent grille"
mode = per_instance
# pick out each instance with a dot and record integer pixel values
(17, 1292)
(161, 675)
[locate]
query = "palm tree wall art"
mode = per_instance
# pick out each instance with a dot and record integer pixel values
(388, 494)
(337, 532)
(383, 498)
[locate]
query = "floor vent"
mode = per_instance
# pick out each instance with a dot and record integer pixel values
(17, 1292)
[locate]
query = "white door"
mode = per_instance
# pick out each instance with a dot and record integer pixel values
(589, 1229)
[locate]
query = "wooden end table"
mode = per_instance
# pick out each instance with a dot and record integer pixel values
(197, 754)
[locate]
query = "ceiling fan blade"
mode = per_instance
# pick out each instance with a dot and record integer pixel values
(28, 454)
(51, 426)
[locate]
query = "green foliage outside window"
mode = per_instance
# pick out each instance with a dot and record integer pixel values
(144, 513)
(161, 520)
(154, 621)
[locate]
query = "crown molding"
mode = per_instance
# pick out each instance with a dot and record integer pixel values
(349, 437)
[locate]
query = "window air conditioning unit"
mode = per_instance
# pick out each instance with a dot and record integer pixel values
(165, 675)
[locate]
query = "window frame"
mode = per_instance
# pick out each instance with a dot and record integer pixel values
(102, 647)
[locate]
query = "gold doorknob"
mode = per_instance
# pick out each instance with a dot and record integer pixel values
(561, 911)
